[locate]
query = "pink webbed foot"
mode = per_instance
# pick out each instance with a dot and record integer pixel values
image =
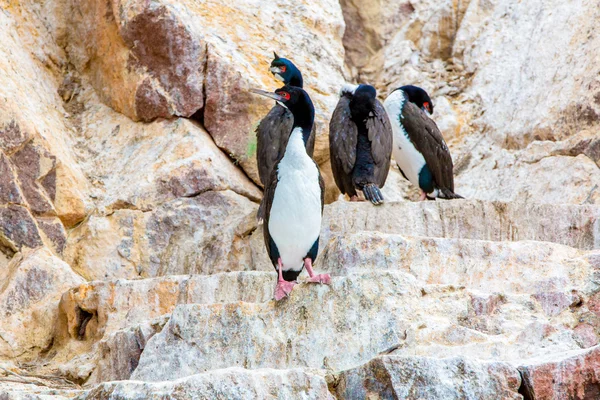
(283, 289)
(354, 199)
(423, 196)
(321, 278)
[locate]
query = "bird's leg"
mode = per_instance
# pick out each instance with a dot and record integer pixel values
(283, 288)
(355, 198)
(423, 196)
(321, 278)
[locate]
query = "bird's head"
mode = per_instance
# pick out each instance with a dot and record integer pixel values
(290, 97)
(285, 71)
(296, 100)
(363, 100)
(419, 97)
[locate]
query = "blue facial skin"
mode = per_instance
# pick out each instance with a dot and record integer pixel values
(285, 70)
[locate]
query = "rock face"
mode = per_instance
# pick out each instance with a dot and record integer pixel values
(545, 379)
(392, 377)
(163, 59)
(231, 383)
(32, 285)
(131, 262)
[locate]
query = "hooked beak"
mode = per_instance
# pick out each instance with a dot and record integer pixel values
(271, 95)
(275, 70)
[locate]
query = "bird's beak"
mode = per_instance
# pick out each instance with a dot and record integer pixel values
(271, 95)
(275, 70)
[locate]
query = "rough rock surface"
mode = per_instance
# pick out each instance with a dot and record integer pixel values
(231, 383)
(393, 377)
(32, 284)
(159, 59)
(127, 160)
(572, 375)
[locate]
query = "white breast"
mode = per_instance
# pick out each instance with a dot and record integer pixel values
(406, 155)
(295, 218)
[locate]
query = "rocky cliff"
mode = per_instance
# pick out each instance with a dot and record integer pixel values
(131, 263)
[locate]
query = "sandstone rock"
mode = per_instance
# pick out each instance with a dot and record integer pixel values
(530, 89)
(575, 226)
(572, 225)
(509, 176)
(21, 391)
(18, 229)
(121, 47)
(393, 377)
(571, 375)
(115, 305)
(307, 330)
(231, 383)
(39, 147)
(119, 317)
(141, 166)
(509, 267)
(9, 188)
(363, 314)
(207, 233)
(118, 354)
(33, 283)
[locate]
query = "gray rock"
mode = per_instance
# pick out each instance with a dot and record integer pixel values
(225, 384)
(394, 377)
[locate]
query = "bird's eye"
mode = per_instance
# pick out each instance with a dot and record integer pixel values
(285, 95)
(427, 106)
(282, 69)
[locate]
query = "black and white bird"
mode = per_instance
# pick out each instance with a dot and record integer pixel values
(360, 143)
(273, 130)
(294, 197)
(419, 148)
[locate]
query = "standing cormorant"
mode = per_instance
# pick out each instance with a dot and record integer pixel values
(360, 143)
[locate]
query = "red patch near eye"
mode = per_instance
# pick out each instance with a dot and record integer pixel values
(282, 68)
(285, 95)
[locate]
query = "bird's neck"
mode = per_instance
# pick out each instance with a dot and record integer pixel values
(304, 126)
(304, 118)
(296, 79)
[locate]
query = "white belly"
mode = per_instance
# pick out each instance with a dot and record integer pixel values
(295, 216)
(409, 160)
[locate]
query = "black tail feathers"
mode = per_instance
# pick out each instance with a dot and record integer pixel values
(449, 194)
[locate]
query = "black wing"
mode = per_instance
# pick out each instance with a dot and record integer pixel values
(266, 204)
(381, 138)
(427, 138)
(343, 136)
(272, 135)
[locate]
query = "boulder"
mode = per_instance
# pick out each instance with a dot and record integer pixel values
(572, 375)
(393, 377)
(206, 233)
(103, 326)
(33, 282)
